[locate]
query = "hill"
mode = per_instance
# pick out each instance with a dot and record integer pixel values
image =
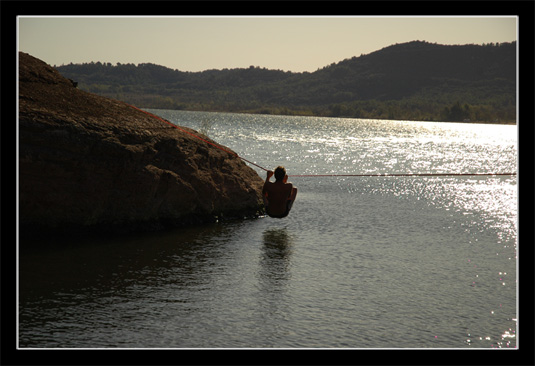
(414, 81)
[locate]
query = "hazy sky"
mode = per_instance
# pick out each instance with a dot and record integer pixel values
(285, 43)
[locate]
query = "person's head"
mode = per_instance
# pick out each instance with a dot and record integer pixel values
(280, 173)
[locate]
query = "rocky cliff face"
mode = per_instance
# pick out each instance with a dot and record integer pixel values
(91, 163)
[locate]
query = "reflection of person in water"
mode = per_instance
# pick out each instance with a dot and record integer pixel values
(277, 239)
(276, 258)
(280, 195)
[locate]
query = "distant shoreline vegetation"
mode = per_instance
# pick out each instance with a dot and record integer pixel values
(417, 81)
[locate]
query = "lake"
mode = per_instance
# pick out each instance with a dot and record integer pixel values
(360, 262)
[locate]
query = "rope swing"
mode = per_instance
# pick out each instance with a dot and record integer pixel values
(401, 175)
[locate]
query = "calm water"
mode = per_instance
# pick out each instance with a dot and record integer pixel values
(361, 262)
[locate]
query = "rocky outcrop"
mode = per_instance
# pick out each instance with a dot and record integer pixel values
(91, 163)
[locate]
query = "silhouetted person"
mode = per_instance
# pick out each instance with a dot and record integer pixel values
(280, 195)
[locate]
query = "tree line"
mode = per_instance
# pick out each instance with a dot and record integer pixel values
(410, 81)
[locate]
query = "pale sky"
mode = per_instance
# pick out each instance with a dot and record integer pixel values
(282, 43)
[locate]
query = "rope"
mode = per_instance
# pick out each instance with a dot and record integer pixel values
(400, 175)
(320, 175)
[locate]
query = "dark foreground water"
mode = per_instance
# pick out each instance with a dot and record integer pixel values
(361, 262)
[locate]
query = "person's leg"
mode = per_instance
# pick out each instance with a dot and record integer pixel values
(293, 195)
(291, 200)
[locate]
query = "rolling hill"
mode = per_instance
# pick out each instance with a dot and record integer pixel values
(410, 81)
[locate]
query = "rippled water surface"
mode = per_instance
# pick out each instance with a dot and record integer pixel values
(360, 262)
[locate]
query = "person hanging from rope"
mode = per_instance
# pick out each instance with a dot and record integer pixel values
(280, 195)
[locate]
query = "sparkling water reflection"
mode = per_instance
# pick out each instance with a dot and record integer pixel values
(369, 262)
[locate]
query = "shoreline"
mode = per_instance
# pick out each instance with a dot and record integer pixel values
(320, 116)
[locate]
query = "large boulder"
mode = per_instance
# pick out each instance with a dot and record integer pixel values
(91, 163)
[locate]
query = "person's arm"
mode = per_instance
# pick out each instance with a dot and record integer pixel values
(268, 176)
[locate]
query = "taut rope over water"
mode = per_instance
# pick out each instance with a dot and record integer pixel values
(399, 175)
